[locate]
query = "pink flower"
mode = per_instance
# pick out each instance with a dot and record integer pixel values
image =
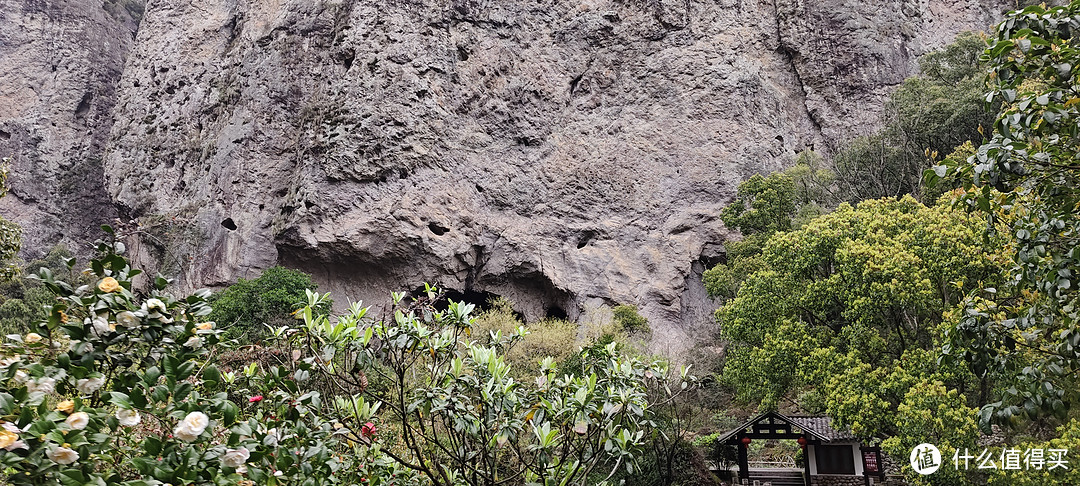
(368, 430)
(255, 399)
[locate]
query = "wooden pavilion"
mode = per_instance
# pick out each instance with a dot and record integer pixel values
(832, 457)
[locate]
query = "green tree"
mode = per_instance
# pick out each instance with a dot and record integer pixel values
(762, 205)
(849, 307)
(1026, 182)
(245, 306)
(926, 117)
(628, 318)
(872, 280)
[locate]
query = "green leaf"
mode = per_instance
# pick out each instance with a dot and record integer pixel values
(72, 477)
(229, 411)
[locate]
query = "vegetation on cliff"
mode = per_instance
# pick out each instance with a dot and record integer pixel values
(912, 287)
(911, 321)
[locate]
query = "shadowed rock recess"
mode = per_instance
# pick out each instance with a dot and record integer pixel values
(566, 155)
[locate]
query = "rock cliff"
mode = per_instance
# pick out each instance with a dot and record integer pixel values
(60, 62)
(565, 154)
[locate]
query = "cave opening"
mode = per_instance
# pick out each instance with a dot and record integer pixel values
(585, 238)
(479, 298)
(555, 312)
(229, 224)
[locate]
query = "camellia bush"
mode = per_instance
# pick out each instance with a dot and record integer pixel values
(116, 387)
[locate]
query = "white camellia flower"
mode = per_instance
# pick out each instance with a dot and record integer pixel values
(32, 338)
(62, 455)
(128, 418)
(192, 426)
(235, 458)
(193, 342)
(87, 386)
(78, 420)
(43, 385)
(271, 438)
(155, 305)
(101, 326)
(4, 363)
(21, 376)
(127, 319)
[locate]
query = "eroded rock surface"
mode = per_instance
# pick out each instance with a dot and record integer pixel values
(566, 155)
(60, 62)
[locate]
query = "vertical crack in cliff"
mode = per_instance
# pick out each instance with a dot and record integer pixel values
(790, 54)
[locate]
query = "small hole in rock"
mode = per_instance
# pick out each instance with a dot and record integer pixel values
(438, 229)
(229, 224)
(586, 238)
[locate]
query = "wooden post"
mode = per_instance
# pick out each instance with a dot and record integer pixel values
(806, 461)
(744, 461)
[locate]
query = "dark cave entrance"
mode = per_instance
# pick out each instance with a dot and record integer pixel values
(481, 299)
(556, 312)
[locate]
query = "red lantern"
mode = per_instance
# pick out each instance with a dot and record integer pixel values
(802, 442)
(746, 441)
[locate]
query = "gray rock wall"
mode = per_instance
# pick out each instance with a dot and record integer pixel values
(60, 62)
(565, 154)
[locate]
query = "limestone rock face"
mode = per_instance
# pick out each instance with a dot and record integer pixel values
(60, 62)
(565, 154)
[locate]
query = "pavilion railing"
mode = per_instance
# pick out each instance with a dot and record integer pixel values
(781, 462)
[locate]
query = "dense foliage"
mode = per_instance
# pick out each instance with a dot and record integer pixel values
(10, 234)
(1026, 182)
(862, 286)
(270, 299)
(120, 388)
(899, 319)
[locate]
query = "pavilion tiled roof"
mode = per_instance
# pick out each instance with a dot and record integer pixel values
(816, 426)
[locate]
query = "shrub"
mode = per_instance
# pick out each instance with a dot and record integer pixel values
(556, 338)
(118, 388)
(113, 388)
(630, 320)
(270, 299)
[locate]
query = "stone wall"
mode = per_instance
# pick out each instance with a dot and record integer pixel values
(837, 480)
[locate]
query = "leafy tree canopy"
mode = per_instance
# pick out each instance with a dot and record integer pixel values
(1026, 182)
(271, 298)
(850, 308)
